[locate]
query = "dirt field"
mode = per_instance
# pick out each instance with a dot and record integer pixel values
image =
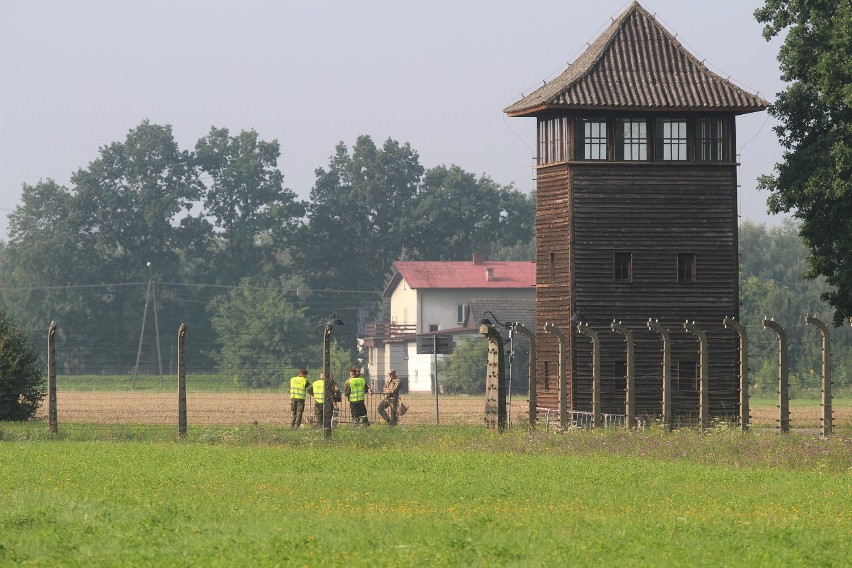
(129, 407)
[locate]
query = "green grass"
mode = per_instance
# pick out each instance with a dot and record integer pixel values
(153, 383)
(424, 497)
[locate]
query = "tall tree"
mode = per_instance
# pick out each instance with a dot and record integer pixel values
(359, 214)
(815, 110)
(254, 214)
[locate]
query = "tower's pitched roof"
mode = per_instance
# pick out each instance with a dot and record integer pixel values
(636, 64)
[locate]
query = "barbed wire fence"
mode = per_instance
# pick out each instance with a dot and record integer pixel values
(125, 373)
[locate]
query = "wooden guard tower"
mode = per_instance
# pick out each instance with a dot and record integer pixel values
(636, 218)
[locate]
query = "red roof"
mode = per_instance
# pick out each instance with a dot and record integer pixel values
(464, 274)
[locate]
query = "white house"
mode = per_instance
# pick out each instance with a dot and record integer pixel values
(434, 296)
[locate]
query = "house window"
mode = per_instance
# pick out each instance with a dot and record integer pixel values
(687, 376)
(686, 267)
(671, 139)
(712, 136)
(552, 140)
(592, 142)
(546, 375)
(631, 141)
(433, 327)
(622, 267)
(552, 266)
(461, 313)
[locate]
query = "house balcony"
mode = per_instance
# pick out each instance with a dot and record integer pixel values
(387, 331)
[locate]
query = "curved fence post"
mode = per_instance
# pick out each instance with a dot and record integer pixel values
(654, 325)
(826, 373)
(596, 372)
(532, 384)
(52, 417)
(495, 386)
(741, 331)
(783, 375)
(181, 364)
(630, 394)
(563, 378)
(703, 370)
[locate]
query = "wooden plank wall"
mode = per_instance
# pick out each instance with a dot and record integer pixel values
(653, 211)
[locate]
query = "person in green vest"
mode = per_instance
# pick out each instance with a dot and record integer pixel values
(356, 390)
(317, 390)
(298, 393)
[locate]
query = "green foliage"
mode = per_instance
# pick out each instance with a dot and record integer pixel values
(254, 213)
(464, 371)
(815, 110)
(772, 260)
(22, 377)
(259, 333)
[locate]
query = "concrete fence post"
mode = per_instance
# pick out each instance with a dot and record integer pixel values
(181, 358)
(495, 385)
(630, 394)
(666, 415)
(744, 396)
(52, 416)
(703, 371)
(563, 376)
(533, 403)
(596, 372)
(827, 414)
(783, 375)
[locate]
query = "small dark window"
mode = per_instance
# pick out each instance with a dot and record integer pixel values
(618, 381)
(713, 139)
(687, 376)
(631, 139)
(461, 313)
(622, 267)
(686, 267)
(591, 134)
(546, 375)
(433, 327)
(671, 139)
(552, 266)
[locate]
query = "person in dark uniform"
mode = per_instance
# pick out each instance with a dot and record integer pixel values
(391, 399)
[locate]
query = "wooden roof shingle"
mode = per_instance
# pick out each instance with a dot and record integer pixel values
(636, 64)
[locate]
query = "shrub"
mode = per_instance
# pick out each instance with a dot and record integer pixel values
(22, 373)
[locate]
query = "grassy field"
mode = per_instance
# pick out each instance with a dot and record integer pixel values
(423, 496)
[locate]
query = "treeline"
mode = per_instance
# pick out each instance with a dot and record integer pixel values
(772, 261)
(249, 267)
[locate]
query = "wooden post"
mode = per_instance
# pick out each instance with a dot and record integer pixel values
(52, 416)
(563, 380)
(783, 376)
(181, 356)
(703, 371)
(744, 408)
(826, 373)
(533, 405)
(654, 325)
(596, 373)
(630, 395)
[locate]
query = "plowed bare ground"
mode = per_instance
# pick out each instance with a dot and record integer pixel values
(274, 409)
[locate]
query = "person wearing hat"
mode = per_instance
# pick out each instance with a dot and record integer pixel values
(391, 398)
(298, 392)
(356, 390)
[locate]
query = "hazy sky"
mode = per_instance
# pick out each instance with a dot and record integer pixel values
(78, 75)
